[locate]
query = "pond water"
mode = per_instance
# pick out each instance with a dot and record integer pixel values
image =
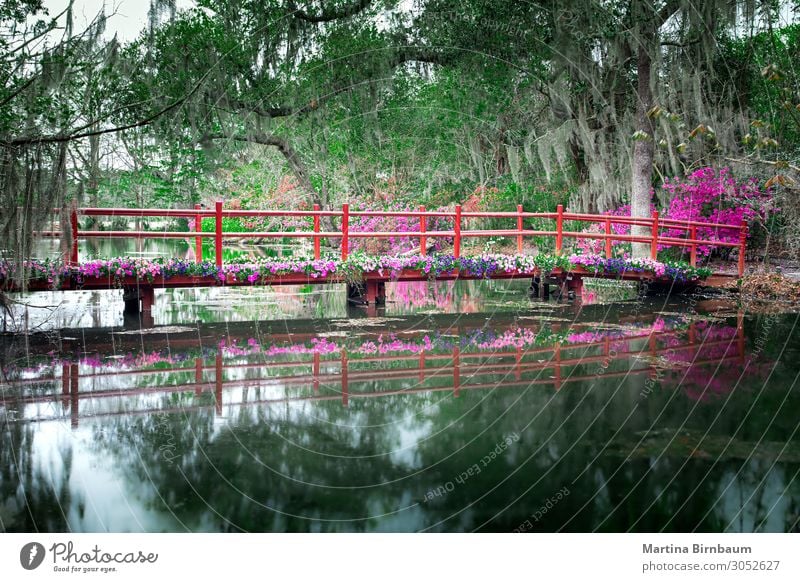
(458, 408)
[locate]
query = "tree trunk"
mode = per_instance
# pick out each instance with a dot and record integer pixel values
(500, 151)
(643, 148)
(93, 184)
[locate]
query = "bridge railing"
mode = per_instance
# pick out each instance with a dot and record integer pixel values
(653, 225)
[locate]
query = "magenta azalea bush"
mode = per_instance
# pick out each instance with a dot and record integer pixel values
(706, 196)
(399, 244)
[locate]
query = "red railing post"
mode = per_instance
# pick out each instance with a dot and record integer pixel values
(198, 376)
(654, 240)
(519, 228)
(218, 384)
(345, 383)
(65, 380)
(693, 247)
(316, 230)
(423, 240)
(198, 240)
(315, 372)
(608, 238)
(742, 246)
(218, 232)
(73, 222)
(557, 368)
(559, 228)
(457, 231)
(345, 229)
(456, 371)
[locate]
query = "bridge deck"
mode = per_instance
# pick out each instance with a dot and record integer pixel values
(717, 279)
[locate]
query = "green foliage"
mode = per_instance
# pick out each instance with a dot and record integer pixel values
(531, 102)
(764, 73)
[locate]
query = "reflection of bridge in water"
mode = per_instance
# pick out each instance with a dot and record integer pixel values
(328, 372)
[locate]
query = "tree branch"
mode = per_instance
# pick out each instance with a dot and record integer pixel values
(329, 14)
(13, 95)
(670, 8)
(777, 163)
(61, 138)
(283, 146)
(679, 44)
(405, 54)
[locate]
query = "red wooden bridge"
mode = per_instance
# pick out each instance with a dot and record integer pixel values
(342, 376)
(141, 292)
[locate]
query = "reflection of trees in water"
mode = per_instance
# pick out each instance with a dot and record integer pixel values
(456, 296)
(34, 495)
(261, 453)
(644, 463)
(251, 304)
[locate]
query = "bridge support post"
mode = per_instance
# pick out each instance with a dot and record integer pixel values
(540, 287)
(139, 303)
(74, 400)
(533, 291)
(376, 292)
(575, 287)
(367, 293)
(355, 293)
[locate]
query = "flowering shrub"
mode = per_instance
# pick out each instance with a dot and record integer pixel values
(142, 269)
(394, 245)
(674, 270)
(481, 266)
(707, 196)
(590, 246)
(51, 271)
(715, 197)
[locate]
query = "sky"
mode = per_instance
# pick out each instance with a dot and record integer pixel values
(131, 15)
(129, 21)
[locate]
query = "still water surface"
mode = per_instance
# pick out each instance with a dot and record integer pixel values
(460, 407)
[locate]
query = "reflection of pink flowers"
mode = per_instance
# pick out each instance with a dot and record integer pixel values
(513, 338)
(704, 370)
(394, 345)
(590, 337)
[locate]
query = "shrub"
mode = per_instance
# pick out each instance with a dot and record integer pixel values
(705, 196)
